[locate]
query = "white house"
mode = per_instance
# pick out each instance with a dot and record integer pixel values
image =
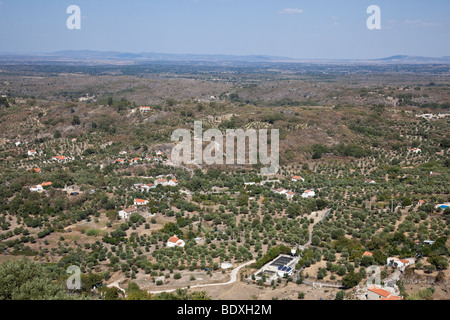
(308, 194)
(37, 188)
(281, 191)
(297, 178)
(145, 109)
(166, 182)
(126, 213)
(59, 158)
(370, 181)
(140, 202)
(32, 152)
(415, 150)
(163, 182)
(147, 187)
(399, 263)
(375, 293)
(175, 242)
(290, 194)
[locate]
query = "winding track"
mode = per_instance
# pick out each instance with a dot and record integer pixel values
(233, 279)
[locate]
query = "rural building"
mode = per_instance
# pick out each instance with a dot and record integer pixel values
(59, 158)
(46, 184)
(126, 213)
(37, 188)
(281, 191)
(375, 293)
(297, 178)
(283, 264)
(399, 263)
(145, 109)
(308, 194)
(140, 202)
(32, 153)
(175, 242)
(165, 182)
(290, 194)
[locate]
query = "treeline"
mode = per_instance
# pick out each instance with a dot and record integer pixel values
(346, 150)
(272, 254)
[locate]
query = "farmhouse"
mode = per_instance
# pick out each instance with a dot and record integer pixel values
(290, 194)
(370, 181)
(126, 213)
(415, 150)
(165, 182)
(145, 109)
(297, 178)
(134, 161)
(37, 170)
(308, 194)
(32, 153)
(375, 293)
(59, 158)
(399, 263)
(281, 191)
(278, 268)
(175, 242)
(37, 188)
(46, 184)
(140, 202)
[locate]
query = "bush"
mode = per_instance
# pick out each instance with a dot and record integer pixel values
(340, 295)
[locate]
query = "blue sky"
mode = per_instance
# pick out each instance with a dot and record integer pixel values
(309, 29)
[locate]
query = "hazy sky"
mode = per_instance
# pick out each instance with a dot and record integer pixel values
(310, 29)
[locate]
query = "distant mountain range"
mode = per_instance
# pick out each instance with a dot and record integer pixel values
(90, 56)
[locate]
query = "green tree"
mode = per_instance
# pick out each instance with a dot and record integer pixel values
(26, 280)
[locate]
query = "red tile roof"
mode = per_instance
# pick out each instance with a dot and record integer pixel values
(380, 292)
